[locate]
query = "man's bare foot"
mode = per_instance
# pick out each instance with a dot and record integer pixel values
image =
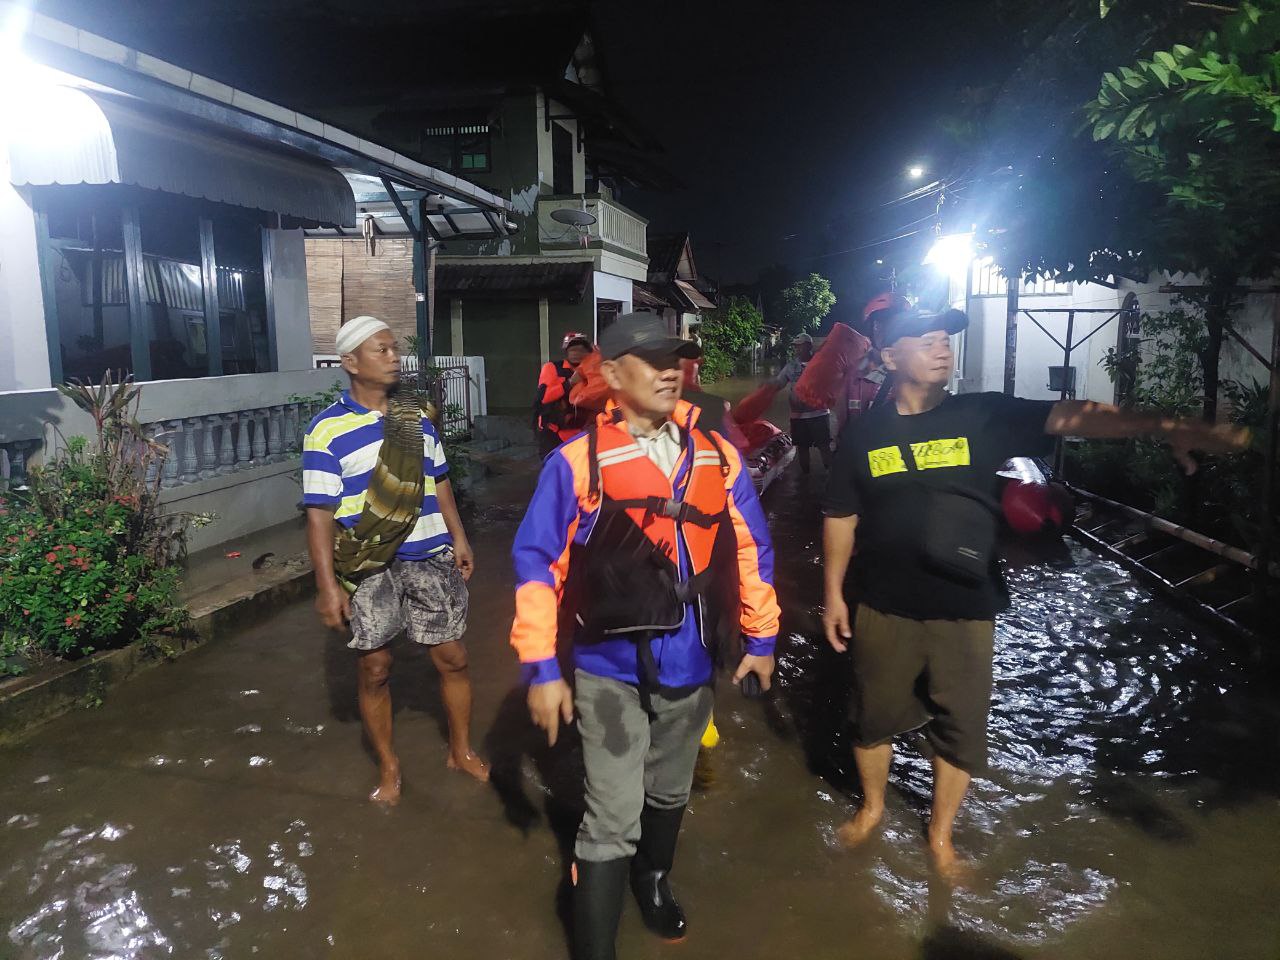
(948, 864)
(469, 763)
(387, 792)
(856, 832)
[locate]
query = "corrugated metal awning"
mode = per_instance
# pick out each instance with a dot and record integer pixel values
(499, 279)
(649, 296)
(89, 137)
(694, 295)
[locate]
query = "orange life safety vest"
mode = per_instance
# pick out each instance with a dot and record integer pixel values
(629, 580)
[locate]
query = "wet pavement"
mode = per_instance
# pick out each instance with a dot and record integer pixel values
(214, 807)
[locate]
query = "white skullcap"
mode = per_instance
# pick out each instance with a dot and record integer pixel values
(355, 332)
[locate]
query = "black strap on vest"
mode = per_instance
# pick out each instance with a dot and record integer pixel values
(677, 510)
(687, 591)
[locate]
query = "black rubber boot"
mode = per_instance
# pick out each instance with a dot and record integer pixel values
(659, 830)
(597, 905)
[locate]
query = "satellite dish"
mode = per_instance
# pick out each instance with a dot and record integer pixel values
(573, 218)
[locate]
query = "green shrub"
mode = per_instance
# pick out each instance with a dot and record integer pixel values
(1222, 499)
(87, 560)
(728, 335)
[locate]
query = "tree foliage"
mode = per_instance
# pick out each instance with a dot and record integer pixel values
(805, 304)
(1202, 124)
(728, 335)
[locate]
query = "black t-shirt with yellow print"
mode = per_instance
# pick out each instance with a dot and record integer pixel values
(961, 442)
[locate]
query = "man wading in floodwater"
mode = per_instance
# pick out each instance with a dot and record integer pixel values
(649, 531)
(397, 558)
(916, 479)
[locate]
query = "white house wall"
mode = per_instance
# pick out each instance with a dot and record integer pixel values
(984, 343)
(607, 286)
(24, 351)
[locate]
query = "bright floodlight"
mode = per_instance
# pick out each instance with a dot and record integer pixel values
(951, 254)
(915, 171)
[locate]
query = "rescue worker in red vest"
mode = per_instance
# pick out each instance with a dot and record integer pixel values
(647, 532)
(557, 420)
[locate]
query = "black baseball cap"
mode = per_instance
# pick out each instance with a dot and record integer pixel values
(896, 324)
(646, 335)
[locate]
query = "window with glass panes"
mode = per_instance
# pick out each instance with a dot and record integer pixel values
(197, 284)
(460, 147)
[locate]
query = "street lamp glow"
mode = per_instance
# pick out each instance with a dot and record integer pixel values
(915, 171)
(951, 254)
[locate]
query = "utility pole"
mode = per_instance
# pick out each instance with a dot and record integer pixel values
(1011, 332)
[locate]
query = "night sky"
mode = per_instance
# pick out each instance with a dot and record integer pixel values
(788, 123)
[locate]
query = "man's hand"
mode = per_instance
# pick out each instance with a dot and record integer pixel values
(835, 621)
(1190, 436)
(549, 703)
(464, 559)
(334, 606)
(762, 667)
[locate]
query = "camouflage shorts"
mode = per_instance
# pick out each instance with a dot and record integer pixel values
(425, 598)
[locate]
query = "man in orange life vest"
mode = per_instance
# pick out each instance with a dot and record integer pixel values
(557, 420)
(648, 531)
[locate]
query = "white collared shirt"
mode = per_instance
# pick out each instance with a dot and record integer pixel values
(662, 447)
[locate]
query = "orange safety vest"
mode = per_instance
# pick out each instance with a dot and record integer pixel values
(627, 579)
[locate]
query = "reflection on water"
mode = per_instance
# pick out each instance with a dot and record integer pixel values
(92, 904)
(1100, 691)
(227, 820)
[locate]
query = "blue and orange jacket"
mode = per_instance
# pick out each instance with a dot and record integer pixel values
(564, 511)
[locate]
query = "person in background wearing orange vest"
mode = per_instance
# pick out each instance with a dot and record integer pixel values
(557, 420)
(648, 532)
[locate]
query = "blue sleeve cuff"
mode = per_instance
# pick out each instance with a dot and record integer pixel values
(320, 500)
(759, 646)
(540, 671)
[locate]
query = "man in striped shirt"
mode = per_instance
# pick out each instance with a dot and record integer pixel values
(423, 590)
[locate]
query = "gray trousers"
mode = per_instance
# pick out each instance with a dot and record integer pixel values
(632, 759)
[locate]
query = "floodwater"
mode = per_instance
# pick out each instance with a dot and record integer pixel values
(214, 807)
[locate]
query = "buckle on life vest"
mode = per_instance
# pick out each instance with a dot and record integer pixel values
(666, 507)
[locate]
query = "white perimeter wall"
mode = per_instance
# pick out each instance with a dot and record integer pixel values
(982, 352)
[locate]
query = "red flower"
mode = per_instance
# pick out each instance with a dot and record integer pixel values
(129, 598)
(72, 621)
(26, 613)
(51, 557)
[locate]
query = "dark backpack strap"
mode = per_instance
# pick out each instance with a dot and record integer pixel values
(593, 463)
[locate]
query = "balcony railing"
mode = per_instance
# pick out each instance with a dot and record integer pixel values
(615, 225)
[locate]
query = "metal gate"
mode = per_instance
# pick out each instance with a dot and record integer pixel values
(452, 394)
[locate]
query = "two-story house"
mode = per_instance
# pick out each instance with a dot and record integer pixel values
(535, 127)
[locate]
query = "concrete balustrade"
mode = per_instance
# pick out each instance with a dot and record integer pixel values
(233, 443)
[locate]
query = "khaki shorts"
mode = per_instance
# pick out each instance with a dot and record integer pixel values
(928, 675)
(425, 598)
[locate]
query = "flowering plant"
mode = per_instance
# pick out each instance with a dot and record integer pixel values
(87, 559)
